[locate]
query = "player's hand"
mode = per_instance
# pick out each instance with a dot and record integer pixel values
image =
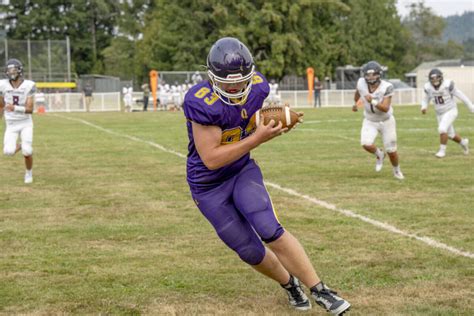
(266, 132)
(423, 111)
(9, 107)
(354, 108)
(368, 98)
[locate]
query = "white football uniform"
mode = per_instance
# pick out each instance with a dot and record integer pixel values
(128, 96)
(376, 121)
(445, 105)
(17, 123)
(273, 96)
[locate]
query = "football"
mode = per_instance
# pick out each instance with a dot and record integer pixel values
(282, 114)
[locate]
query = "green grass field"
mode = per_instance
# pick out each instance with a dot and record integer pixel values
(109, 227)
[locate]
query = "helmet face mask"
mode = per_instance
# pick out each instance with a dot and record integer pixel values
(230, 70)
(13, 69)
(372, 72)
(436, 77)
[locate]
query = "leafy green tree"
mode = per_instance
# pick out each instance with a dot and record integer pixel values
(120, 57)
(88, 23)
(426, 43)
(373, 31)
(285, 37)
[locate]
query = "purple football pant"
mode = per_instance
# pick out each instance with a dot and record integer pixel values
(241, 212)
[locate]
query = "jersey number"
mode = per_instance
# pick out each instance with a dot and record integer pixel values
(203, 92)
(372, 108)
(16, 100)
(439, 100)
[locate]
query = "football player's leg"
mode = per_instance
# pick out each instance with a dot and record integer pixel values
(253, 201)
(231, 227)
(368, 133)
(27, 145)
(9, 141)
(389, 138)
(445, 125)
(448, 120)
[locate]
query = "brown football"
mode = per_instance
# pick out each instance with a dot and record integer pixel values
(282, 114)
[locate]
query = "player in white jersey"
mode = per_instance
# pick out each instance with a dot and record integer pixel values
(16, 103)
(443, 93)
(376, 96)
(273, 96)
(127, 92)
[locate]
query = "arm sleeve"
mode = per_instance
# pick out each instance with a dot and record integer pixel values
(461, 96)
(32, 91)
(425, 101)
(389, 91)
(451, 87)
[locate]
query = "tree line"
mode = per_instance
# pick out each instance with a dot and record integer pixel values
(127, 38)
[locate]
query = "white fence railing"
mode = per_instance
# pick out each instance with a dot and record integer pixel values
(345, 98)
(74, 102)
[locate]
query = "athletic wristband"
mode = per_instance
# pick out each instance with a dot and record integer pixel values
(20, 109)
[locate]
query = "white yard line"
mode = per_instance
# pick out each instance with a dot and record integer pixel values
(429, 241)
(360, 119)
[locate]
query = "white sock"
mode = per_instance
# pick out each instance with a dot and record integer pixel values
(463, 142)
(396, 168)
(442, 148)
(379, 153)
(29, 172)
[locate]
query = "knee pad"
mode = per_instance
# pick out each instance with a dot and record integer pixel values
(391, 148)
(276, 234)
(261, 214)
(251, 254)
(27, 150)
(442, 130)
(9, 151)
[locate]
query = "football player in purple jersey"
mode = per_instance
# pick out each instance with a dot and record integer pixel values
(227, 185)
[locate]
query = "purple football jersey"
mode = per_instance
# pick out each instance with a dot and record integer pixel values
(203, 106)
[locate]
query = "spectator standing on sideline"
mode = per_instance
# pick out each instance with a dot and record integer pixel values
(87, 94)
(196, 78)
(318, 86)
(146, 95)
(227, 185)
(274, 97)
(16, 103)
(127, 92)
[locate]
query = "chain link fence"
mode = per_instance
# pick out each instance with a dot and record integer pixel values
(43, 61)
